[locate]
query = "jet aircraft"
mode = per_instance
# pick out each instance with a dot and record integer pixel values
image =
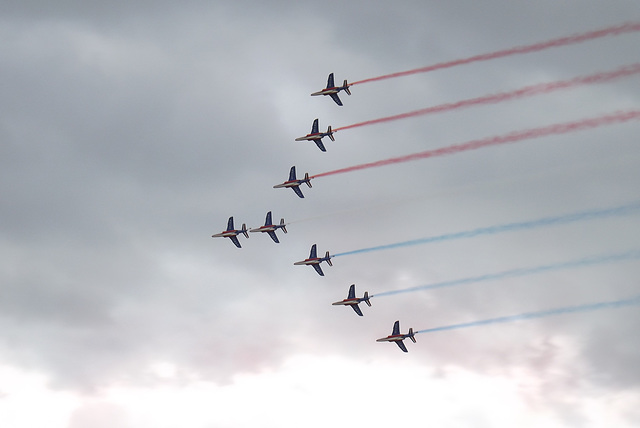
(317, 136)
(294, 183)
(315, 261)
(353, 301)
(232, 233)
(398, 338)
(271, 228)
(332, 90)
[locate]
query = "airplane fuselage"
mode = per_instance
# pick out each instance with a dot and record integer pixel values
(309, 262)
(348, 302)
(265, 229)
(311, 137)
(396, 338)
(288, 184)
(227, 234)
(331, 91)
(328, 91)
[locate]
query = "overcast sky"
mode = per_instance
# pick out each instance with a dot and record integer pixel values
(131, 131)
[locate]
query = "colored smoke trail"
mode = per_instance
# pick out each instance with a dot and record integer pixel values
(635, 300)
(527, 91)
(516, 273)
(559, 128)
(492, 230)
(563, 41)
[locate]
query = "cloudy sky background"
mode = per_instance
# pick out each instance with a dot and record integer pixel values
(131, 132)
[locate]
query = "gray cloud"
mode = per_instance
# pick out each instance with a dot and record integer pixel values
(132, 132)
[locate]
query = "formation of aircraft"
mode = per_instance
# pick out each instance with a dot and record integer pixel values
(315, 261)
(353, 301)
(232, 233)
(399, 338)
(271, 228)
(294, 183)
(316, 136)
(332, 90)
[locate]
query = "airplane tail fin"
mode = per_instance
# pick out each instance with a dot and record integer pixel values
(330, 134)
(307, 179)
(412, 335)
(328, 258)
(346, 87)
(244, 230)
(283, 226)
(366, 298)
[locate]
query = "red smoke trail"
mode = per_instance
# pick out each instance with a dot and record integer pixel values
(563, 41)
(560, 128)
(527, 91)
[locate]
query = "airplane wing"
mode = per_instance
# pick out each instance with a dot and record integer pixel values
(318, 269)
(268, 220)
(314, 127)
(352, 292)
(234, 239)
(401, 346)
(336, 98)
(330, 83)
(273, 236)
(313, 254)
(230, 223)
(298, 191)
(318, 142)
(357, 309)
(396, 328)
(292, 173)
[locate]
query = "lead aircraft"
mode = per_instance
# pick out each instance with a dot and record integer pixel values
(398, 338)
(317, 136)
(332, 90)
(353, 301)
(294, 183)
(232, 233)
(271, 228)
(315, 261)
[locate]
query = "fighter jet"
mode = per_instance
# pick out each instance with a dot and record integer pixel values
(316, 136)
(315, 261)
(294, 183)
(232, 233)
(398, 338)
(332, 90)
(353, 301)
(271, 228)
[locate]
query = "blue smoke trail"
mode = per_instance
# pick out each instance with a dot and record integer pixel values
(531, 315)
(546, 221)
(513, 273)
